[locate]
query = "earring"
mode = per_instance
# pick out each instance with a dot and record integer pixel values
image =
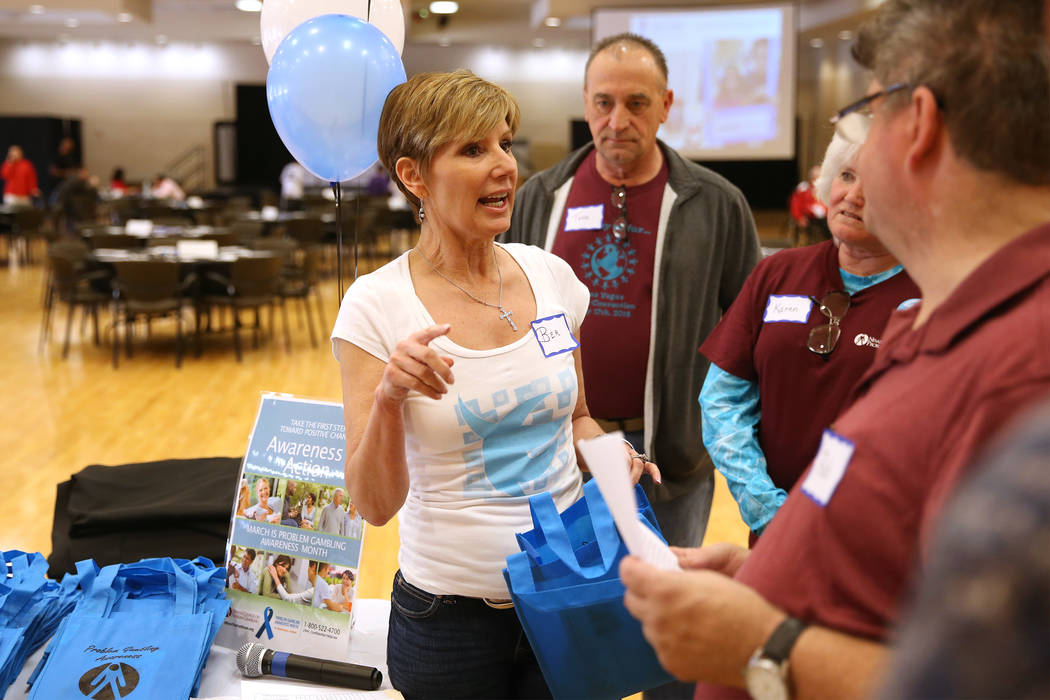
(422, 214)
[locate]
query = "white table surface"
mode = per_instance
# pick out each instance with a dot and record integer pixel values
(222, 680)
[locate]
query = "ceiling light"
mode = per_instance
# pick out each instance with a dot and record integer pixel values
(72, 22)
(444, 7)
(249, 5)
(36, 9)
(552, 22)
(444, 41)
(161, 39)
(845, 35)
(124, 17)
(816, 43)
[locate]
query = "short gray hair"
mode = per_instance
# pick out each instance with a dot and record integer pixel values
(840, 152)
(986, 61)
(636, 40)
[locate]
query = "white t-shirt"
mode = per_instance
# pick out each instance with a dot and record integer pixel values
(322, 592)
(246, 579)
(501, 434)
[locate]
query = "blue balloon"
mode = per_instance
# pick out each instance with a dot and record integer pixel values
(327, 83)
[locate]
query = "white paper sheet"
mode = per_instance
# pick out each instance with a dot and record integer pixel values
(278, 689)
(607, 461)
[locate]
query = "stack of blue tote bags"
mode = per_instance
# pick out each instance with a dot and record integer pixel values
(31, 607)
(145, 628)
(566, 588)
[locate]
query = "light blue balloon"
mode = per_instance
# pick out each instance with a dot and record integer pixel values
(327, 83)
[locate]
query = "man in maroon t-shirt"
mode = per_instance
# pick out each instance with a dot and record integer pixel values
(962, 198)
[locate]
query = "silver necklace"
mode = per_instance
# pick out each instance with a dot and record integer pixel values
(504, 314)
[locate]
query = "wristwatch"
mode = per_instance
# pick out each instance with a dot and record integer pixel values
(766, 674)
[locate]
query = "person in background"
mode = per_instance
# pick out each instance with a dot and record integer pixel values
(276, 573)
(786, 356)
(457, 455)
(267, 508)
(353, 521)
(309, 511)
(163, 187)
(955, 164)
(345, 596)
(333, 517)
(117, 186)
(664, 246)
(808, 209)
(19, 176)
(66, 163)
(325, 595)
(293, 185)
(243, 579)
(304, 597)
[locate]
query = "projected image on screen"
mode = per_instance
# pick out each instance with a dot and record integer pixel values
(732, 71)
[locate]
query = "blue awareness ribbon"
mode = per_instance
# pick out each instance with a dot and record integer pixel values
(267, 616)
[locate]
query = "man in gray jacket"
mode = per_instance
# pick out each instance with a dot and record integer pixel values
(664, 246)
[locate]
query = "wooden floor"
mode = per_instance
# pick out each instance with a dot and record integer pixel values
(59, 416)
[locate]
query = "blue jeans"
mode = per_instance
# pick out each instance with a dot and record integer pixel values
(457, 647)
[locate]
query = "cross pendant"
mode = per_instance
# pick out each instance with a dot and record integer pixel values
(506, 315)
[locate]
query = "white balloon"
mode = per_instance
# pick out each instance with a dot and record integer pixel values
(279, 17)
(389, 18)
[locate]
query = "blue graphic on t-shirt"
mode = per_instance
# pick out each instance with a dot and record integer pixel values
(518, 455)
(608, 263)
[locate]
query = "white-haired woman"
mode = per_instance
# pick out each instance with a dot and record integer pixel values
(457, 457)
(786, 355)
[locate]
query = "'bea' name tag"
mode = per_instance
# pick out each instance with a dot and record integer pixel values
(584, 218)
(828, 467)
(554, 336)
(787, 308)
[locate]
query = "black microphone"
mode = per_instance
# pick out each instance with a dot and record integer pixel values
(254, 660)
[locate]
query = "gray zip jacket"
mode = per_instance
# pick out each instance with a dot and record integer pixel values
(705, 248)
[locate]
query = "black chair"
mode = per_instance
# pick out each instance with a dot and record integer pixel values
(306, 232)
(28, 226)
(148, 289)
(71, 284)
(304, 282)
(253, 283)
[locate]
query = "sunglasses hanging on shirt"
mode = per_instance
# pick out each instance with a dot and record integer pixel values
(619, 200)
(823, 339)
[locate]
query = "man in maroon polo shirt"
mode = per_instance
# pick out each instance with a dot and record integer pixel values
(956, 171)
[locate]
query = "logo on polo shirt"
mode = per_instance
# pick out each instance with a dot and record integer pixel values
(865, 339)
(608, 263)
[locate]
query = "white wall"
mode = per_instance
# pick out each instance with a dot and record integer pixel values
(141, 106)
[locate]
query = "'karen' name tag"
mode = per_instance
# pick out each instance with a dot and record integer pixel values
(787, 308)
(828, 468)
(584, 218)
(554, 336)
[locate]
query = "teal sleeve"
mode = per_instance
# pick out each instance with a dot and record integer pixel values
(729, 411)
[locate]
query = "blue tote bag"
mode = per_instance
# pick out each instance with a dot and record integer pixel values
(567, 593)
(143, 635)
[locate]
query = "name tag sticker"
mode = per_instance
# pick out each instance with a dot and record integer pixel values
(584, 218)
(554, 336)
(787, 308)
(828, 467)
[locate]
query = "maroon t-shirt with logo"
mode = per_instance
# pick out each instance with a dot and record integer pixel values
(614, 342)
(801, 392)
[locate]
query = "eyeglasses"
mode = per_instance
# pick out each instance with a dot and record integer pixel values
(619, 200)
(853, 121)
(823, 339)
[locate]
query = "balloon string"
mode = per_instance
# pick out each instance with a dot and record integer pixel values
(338, 242)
